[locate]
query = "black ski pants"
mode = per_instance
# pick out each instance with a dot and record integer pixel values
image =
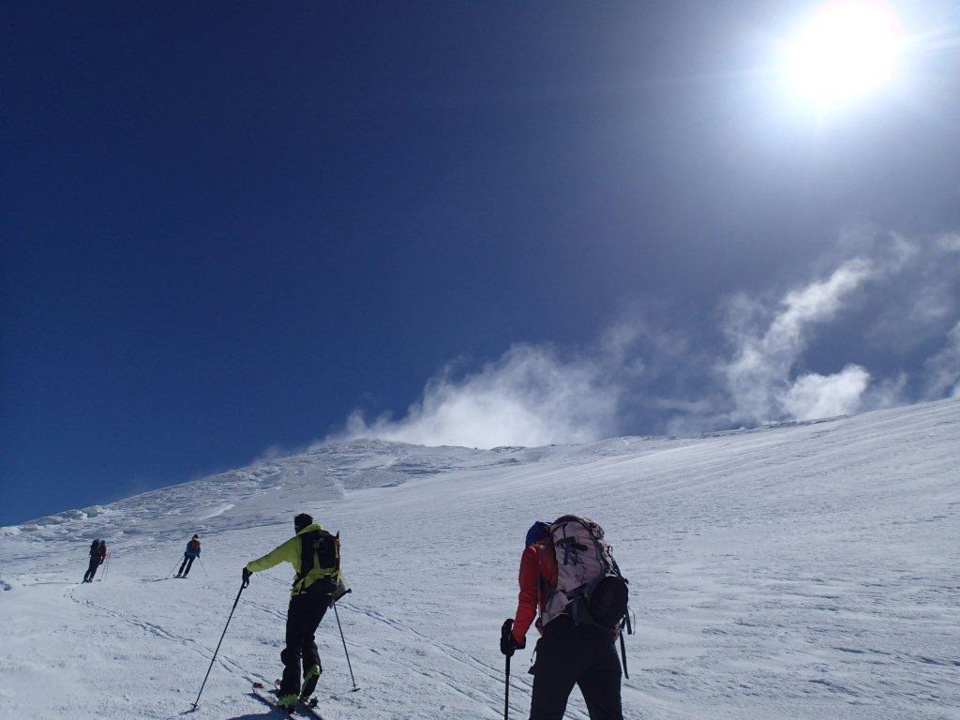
(91, 569)
(186, 565)
(303, 617)
(569, 655)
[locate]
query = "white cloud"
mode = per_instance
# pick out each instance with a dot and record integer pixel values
(528, 397)
(758, 376)
(893, 300)
(817, 396)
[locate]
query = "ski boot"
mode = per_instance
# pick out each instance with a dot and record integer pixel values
(287, 703)
(310, 682)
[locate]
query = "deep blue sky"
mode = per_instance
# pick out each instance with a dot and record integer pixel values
(227, 226)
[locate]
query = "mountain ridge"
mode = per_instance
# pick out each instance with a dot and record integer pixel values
(802, 571)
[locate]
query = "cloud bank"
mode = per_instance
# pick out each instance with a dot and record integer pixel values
(876, 326)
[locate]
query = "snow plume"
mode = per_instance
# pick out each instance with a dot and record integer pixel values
(815, 396)
(888, 302)
(875, 326)
(530, 396)
(943, 369)
(758, 377)
(950, 242)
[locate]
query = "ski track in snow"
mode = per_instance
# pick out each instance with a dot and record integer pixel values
(805, 571)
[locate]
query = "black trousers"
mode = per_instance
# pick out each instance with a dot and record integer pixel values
(187, 563)
(91, 569)
(569, 655)
(303, 617)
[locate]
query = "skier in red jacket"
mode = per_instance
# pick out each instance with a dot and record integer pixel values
(568, 654)
(98, 553)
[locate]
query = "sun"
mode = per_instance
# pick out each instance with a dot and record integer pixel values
(848, 48)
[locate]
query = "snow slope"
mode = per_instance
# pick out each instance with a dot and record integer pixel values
(806, 571)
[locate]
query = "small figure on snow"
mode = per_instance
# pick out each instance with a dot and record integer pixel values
(190, 554)
(98, 553)
(315, 556)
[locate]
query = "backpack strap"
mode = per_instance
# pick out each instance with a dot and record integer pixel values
(623, 655)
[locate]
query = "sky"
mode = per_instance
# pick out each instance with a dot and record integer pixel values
(235, 231)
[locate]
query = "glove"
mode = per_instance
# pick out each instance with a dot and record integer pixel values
(508, 643)
(246, 577)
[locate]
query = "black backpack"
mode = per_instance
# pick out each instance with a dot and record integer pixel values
(318, 548)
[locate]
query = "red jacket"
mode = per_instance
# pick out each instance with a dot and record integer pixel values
(538, 575)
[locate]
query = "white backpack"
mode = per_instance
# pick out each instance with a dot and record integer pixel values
(589, 581)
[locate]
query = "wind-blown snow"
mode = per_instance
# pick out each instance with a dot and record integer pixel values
(804, 571)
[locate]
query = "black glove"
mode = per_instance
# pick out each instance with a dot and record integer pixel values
(246, 577)
(508, 643)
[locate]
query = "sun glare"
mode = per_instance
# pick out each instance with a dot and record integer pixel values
(848, 48)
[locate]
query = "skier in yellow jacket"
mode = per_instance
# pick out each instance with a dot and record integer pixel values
(315, 556)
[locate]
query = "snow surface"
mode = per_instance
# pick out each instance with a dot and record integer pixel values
(802, 571)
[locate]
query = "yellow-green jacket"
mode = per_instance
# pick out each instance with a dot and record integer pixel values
(290, 552)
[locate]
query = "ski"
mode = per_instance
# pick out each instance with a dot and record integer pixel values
(269, 697)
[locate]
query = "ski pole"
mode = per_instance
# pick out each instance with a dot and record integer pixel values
(507, 647)
(203, 566)
(106, 564)
(344, 641)
(506, 692)
(197, 701)
(173, 568)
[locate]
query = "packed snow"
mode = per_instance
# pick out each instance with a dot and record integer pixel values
(801, 571)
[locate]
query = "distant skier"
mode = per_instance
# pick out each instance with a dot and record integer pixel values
(94, 561)
(315, 556)
(190, 554)
(571, 652)
(98, 553)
